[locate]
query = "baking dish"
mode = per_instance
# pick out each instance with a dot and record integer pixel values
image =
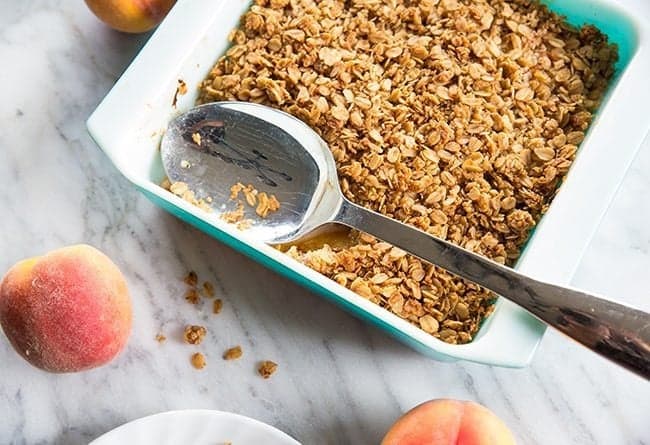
(129, 122)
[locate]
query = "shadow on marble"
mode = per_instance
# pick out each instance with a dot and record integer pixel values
(78, 436)
(370, 428)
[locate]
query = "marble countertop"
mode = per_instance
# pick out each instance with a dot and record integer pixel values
(340, 381)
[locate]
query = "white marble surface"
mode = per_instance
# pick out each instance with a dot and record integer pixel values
(340, 381)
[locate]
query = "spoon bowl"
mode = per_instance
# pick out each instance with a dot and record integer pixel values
(215, 146)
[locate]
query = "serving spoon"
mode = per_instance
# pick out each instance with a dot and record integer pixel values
(215, 146)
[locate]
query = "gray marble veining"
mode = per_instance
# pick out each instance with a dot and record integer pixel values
(340, 381)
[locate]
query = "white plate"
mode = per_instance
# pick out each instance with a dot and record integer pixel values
(129, 122)
(195, 427)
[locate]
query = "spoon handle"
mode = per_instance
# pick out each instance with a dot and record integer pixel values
(613, 330)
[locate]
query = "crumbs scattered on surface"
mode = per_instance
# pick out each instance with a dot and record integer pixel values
(160, 338)
(192, 296)
(233, 353)
(196, 137)
(208, 289)
(198, 360)
(194, 334)
(217, 305)
(191, 279)
(267, 368)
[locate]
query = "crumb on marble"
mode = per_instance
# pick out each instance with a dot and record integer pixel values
(196, 137)
(267, 368)
(263, 203)
(192, 296)
(160, 338)
(194, 334)
(233, 353)
(191, 279)
(208, 289)
(217, 305)
(198, 360)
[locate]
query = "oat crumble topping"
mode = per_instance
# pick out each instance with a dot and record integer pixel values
(217, 305)
(458, 117)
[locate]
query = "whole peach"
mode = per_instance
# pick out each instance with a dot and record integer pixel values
(132, 16)
(66, 311)
(449, 422)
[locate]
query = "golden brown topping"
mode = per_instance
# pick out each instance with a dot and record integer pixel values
(208, 289)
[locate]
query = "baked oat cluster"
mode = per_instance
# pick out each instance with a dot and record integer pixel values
(459, 117)
(195, 334)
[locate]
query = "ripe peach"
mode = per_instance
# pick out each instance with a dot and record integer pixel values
(66, 311)
(131, 15)
(449, 422)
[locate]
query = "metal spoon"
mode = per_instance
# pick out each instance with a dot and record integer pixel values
(214, 146)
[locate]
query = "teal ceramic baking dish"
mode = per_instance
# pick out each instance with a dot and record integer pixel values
(129, 122)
